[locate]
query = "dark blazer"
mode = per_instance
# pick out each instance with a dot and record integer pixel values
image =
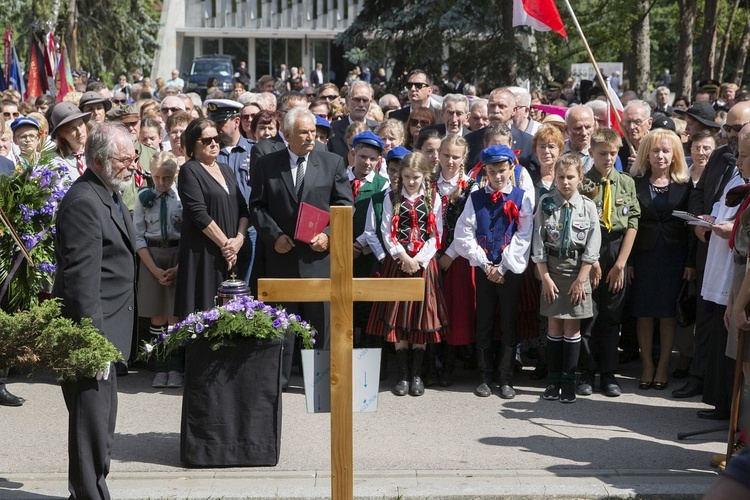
(274, 208)
(719, 170)
(275, 143)
(95, 251)
(6, 166)
(676, 233)
(337, 141)
(440, 127)
(521, 142)
(403, 114)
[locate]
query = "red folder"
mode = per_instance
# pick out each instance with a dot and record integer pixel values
(311, 221)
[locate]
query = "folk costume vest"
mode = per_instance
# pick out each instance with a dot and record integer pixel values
(362, 202)
(497, 221)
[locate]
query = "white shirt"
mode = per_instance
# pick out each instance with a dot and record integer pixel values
(516, 254)
(448, 187)
(427, 252)
(717, 277)
(369, 238)
(293, 164)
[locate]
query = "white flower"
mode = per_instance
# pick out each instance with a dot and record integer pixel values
(193, 336)
(148, 348)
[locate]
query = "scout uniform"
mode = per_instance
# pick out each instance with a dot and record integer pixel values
(601, 333)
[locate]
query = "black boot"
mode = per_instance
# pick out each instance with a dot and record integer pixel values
(568, 388)
(8, 399)
(541, 369)
(484, 362)
(430, 368)
(417, 386)
(570, 354)
(507, 360)
(449, 363)
(554, 351)
(402, 386)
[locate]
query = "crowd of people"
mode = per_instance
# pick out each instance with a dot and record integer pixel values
(535, 232)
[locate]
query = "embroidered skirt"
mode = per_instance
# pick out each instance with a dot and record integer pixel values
(414, 322)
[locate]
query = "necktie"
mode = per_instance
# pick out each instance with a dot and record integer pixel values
(565, 238)
(163, 217)
(79, 163)
(300, 180)
(607, 202)
(356, 184)
(118, 205)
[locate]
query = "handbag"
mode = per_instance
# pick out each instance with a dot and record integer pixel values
(687, 302)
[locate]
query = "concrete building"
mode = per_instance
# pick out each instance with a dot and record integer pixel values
(264, 33)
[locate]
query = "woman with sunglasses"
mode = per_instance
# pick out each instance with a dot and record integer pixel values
(418, 119)
(215, 220)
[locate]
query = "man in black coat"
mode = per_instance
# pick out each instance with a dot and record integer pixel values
(358, 103)
(501, 107)
(281, 181)
(419, 88)
(95, 251)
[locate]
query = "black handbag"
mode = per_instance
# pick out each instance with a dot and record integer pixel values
(687, 302)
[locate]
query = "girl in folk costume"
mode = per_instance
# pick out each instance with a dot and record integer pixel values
(412, 229)
(565, 247)
(494, 234)
(454, 186)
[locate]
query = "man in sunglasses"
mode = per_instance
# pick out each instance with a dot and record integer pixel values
(710, 335)
(358, 103)
(419, 90)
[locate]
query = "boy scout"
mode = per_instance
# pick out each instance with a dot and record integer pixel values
(618, 209)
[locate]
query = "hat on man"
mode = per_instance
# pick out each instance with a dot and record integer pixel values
(24, 120)
(497, 154)
(703, 112)
(65, 112)
(92, 97)
(553, 85)
(709, 86)
(120, 112)
(660, 120)
(397, 153)
(221, 110)
(322, 122)
(368, 138)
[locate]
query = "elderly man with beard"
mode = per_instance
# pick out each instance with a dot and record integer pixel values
(711, 371)
(636, 120)
(358, 103)
(95, 251)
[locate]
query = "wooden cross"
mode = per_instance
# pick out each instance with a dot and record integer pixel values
(341, 290)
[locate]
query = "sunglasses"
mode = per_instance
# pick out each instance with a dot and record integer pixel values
(170, 110)
(6, 114)
(328, 97)
(206, 141)
(417, 85)
(734, 128)
(246, 117)
(422, 123)
(119, 101)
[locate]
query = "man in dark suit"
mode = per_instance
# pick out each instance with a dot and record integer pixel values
(710, 335)
(662, 102)
(358, 103)
(455, 114)
(286, 102)
(95, 251)
(419, 88)
(281, 181)
(318, 77)
(501, 107)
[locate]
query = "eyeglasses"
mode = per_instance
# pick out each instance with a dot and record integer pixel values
(422, 123)
(7, 114)
(417, 85)
(246, 118)
(206, 141)
(734, 128)
(170, 110)
(360, 100)
(127, 161)
(119, 101)
(331, 97)
(309, 94)
(635, 123)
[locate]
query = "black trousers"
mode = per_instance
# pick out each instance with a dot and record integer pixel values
(318, 314)
(719, 376)
(92, 412)
(600, 334)
(497, 302)
(705, 326)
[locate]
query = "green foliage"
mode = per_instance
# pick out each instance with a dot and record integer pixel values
(39, 338)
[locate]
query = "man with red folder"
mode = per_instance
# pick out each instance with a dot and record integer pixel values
(281, 182)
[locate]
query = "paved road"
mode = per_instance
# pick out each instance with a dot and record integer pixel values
(446, 444)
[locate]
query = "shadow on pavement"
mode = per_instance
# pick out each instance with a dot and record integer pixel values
(148, 447)
(14, 490)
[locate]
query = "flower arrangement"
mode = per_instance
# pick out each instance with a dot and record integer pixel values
(241, 317)
(29, 199)
(38, 338)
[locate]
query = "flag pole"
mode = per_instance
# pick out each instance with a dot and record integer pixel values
(598, 73)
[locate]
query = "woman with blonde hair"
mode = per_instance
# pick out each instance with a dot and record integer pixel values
(664, 247)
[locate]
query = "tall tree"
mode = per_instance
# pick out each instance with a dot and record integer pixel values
(641, 49)
(684, 77)
(725, 41)
(742, 54)
(708, 39)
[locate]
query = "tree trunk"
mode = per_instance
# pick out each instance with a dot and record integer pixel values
(725, 42)
(509, 41)
(742, 54)
(684, 77)
(641, 49)
(708, 40)
(72, 35)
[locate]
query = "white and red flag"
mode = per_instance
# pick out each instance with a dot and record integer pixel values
(614, 111)
(542, 15)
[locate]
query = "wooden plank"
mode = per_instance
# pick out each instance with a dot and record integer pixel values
(294, 290)
(388, 289)
(342, 332)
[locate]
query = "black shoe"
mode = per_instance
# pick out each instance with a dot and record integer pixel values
(507, 392)
(609, 386)
(645, 385)
(688, 391)
(483, 390)
(417, 386)
(660, 386)
(8, 399)
(401, 388)
(121, 368)
(713, 414)
(585, 385)
(567, 393)
(552, 392)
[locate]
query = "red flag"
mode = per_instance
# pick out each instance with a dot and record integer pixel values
(8, 40)
(35, 87)
(50, 61)
(63, 77)
(617, 109)
(542, 15)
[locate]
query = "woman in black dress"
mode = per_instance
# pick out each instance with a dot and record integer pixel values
(215, 220)
(664, 249)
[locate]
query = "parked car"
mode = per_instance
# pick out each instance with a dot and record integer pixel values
(204, 67)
